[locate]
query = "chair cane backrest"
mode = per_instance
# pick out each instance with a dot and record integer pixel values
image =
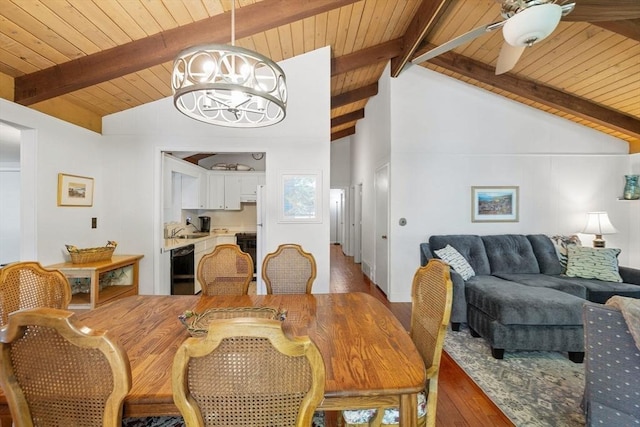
(225, 271)
(55, 372)
(289, 270)
(246, 372)
(29, 285)
(431, 298)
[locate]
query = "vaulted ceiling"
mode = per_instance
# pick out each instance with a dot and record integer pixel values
(80, 60)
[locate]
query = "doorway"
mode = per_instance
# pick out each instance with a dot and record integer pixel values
(10, 218)
(381, 251)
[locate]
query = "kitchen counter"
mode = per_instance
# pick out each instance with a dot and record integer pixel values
(170, 244)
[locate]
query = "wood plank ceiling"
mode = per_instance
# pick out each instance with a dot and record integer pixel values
(80, 60)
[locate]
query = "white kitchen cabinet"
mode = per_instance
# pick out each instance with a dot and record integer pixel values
(249, 185)
(215, 193)
(232, 190)
(226, 190)
(185, 183)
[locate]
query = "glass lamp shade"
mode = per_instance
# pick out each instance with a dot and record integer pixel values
(532, 25)
(229, 86)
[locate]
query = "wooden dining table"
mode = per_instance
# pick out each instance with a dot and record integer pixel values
(370, 359)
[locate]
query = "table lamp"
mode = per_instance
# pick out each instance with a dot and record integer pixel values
(598, 223)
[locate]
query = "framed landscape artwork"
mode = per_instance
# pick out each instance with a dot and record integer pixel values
(300, 195)
(75, 190)
(494, 204)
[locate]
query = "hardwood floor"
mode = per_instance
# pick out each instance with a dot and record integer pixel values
(460, 401)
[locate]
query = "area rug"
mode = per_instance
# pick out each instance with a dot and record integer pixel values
(532, 388)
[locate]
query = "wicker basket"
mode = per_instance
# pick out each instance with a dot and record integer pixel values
(198, 324)
(83, 256)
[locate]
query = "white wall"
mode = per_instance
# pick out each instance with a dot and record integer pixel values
(125, 164)
(50, 146)
(447, 136)
(370, 149)
(300, 143)
(341, 163)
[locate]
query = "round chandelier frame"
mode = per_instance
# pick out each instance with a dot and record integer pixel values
(228, 85)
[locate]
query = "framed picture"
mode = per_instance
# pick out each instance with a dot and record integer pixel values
(300, 197)
(494, 204)
(75, 190)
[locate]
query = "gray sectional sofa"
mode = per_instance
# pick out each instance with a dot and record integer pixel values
(518, 298)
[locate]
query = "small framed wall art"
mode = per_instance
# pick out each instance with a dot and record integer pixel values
(494, 204)
(300, 196)
(75, 190)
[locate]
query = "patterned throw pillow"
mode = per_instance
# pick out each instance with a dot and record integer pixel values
(452, 257)
(593, 263)
(561, 244)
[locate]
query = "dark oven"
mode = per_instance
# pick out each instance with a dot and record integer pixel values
(248, 243)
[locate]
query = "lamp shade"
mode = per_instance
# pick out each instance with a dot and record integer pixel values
(598, 223)
(532, 24)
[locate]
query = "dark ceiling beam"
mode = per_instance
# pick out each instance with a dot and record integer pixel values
(355, 95)
(629, 28)
(422, 22)
(346, 118)
(366, 57)
(538, 93)
(343, 133)
(163, 47)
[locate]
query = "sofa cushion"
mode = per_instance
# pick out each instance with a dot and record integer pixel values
(452, 257)
(469, 246)
(593, 263)
(546, 254)
(511, 303)
(510, 253)
(547, 281)
(561, 244)
(600, 291)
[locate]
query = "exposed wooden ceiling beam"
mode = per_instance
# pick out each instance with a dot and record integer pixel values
(162, 47)
(342, 133)
(197, 157)
(346, 118)
(365, 57)
(423, 21)
(629, 28)
(354, 95)
(538, 92)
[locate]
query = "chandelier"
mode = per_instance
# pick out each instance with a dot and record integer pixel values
(228, 85)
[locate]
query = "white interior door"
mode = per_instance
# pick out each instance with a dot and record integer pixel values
(381, 271)
(357, 235)
(261, 213)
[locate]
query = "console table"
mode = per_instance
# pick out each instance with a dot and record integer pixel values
(119, 274)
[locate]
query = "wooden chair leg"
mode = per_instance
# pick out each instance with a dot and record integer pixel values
(5, 421)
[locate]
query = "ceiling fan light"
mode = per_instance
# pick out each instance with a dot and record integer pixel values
(532, 24)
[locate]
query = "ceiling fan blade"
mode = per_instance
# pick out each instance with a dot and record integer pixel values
(453, 43)
(509, 56)
(604, 10)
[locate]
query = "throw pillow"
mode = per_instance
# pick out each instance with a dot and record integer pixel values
(561, 243)
(452, 257)
(593, 263)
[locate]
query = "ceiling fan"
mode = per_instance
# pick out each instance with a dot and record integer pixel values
(527, 22)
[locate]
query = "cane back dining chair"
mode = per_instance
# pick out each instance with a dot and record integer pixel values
(431, 299)
(289, 270)
(225, 271)
(29, 285)
(246, 372)
(55, 372)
